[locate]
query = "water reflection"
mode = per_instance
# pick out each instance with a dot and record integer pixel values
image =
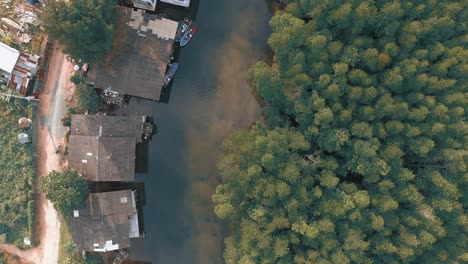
(210, 98)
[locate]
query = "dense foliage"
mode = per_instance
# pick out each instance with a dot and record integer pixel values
(87, 99)
(75, 257)
(85, 28)
(363, 155)
(16, 175)
(66, 189)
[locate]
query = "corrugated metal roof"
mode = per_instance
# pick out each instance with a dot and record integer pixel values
(138, 68)
(9, 56)
(103, 158)
(106, 217)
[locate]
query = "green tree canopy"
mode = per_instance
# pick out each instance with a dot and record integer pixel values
(373, 95)
(87, 99)
(66, 189)
(84, 28)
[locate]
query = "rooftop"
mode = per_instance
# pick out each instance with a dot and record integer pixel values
(9, 56)
(143, 49)
(106, 126)
(103, 158)
(107, 222)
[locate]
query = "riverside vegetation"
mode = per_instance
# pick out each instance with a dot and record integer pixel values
(362, 157)
(17, 176)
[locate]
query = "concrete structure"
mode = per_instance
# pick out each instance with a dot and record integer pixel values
(107, 222)
(139, 62)
(17, 68)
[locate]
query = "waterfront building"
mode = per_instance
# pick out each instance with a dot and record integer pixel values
(103, 147)
(142, 53)
(107, 222)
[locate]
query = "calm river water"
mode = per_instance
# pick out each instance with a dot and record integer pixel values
(210, 98)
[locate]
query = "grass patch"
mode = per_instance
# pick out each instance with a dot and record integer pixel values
(17, 175)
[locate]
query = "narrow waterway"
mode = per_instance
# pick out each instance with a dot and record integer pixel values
(210, 98)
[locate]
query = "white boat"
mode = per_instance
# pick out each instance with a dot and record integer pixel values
(188, 36)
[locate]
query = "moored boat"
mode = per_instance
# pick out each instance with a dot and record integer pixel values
(182, 29)
(188, 36)
(173, 67)
(149, 128)
(121, 256)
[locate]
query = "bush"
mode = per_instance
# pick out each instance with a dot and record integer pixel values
(66, 120)
(87, 99)
(70, 247)
(66, 189)
(77, 79)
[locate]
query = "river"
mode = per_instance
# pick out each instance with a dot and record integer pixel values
(210, 98)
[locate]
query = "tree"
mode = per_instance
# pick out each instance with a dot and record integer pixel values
(84, 28)
(362, 156)
(66, 189)
(87, 99)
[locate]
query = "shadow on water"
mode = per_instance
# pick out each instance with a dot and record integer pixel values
(210, 98)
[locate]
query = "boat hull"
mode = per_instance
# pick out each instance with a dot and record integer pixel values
(188, 36)
(182, 29)
(170, 73)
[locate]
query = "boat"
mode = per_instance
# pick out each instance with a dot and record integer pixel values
(173, 67)
(149, 128)
(121, 256)
(182, 29)
(188, 36)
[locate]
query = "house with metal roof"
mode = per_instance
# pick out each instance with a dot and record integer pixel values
(103, 147)
(103, 158)
(107, 222)
(138, 64)
(106, 126)
(17, 68)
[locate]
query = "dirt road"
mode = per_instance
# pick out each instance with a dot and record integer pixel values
(50, 133)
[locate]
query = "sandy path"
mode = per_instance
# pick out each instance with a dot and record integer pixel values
(50, 132)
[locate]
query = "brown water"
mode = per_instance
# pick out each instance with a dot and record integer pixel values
(210, 98)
